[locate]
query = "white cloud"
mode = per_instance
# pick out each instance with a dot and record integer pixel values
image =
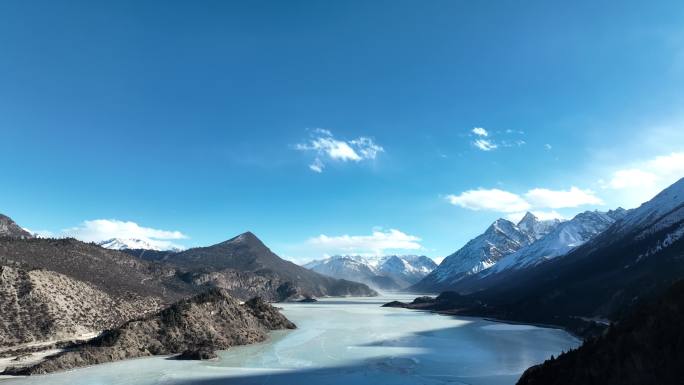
(485, 145)
(103, 229)
(640, 181)
(660, 171)
(485, 141)
(541, 215)
(556, 199)
(514, 204)
(630, 178)
(317, 165)
(479, 131)
(366, 147)
(324, 144)
(548, 146)
(376, 243)
(493, 200)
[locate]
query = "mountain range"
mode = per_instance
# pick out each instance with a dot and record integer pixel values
(506, 246)
(630, 257)
(135, 244)
(391, 272)
(61, 289)
(501, 238)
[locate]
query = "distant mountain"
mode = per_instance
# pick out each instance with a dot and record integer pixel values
(644, 348)
(10, 229)
(392, 272)
(636, 258)
(564, 237)
(639, 256)
(134, 244)
(263, 272)
(502, 238)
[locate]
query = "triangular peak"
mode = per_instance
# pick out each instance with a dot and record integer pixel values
(527, 218)
(247, 238)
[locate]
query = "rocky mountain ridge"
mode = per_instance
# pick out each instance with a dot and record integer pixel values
(193, 327)
(246, 254)
(636, 258)
(501, 238)
(8, 228)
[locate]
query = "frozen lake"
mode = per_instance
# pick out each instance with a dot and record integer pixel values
(349, 341)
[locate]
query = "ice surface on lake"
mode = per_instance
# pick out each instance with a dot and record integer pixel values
(349, 341)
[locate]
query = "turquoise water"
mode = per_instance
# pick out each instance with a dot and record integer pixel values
(349, 341)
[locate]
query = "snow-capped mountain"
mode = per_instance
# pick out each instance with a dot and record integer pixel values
(135, 244)
(564, 237)
(391, 272)
(661, 218)
(535, 228)
(661, 212)
(634, 259)
(502, 238)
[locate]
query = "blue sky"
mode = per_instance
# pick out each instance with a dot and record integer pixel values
(333, 127)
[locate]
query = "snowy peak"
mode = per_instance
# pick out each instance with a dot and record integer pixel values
(617, 214)
(502, 226)
(390, 272)
(135, 244)
(562, 238)
(535, 228)
(501, 238)
(662, 211)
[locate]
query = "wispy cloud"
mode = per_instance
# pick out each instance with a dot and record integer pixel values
(484, 140)
(328, 148)
(317, 165)
(484, 145)
(376, 243)
(537, 199)
(479, 131)
(103, 229)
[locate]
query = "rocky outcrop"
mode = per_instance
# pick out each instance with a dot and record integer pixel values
(42, 305)
(194, 327)
(62, 289)
(8, 228)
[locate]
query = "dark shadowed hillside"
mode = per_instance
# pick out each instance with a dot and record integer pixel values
(638, 257)
(647, 347)
(110, 270)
